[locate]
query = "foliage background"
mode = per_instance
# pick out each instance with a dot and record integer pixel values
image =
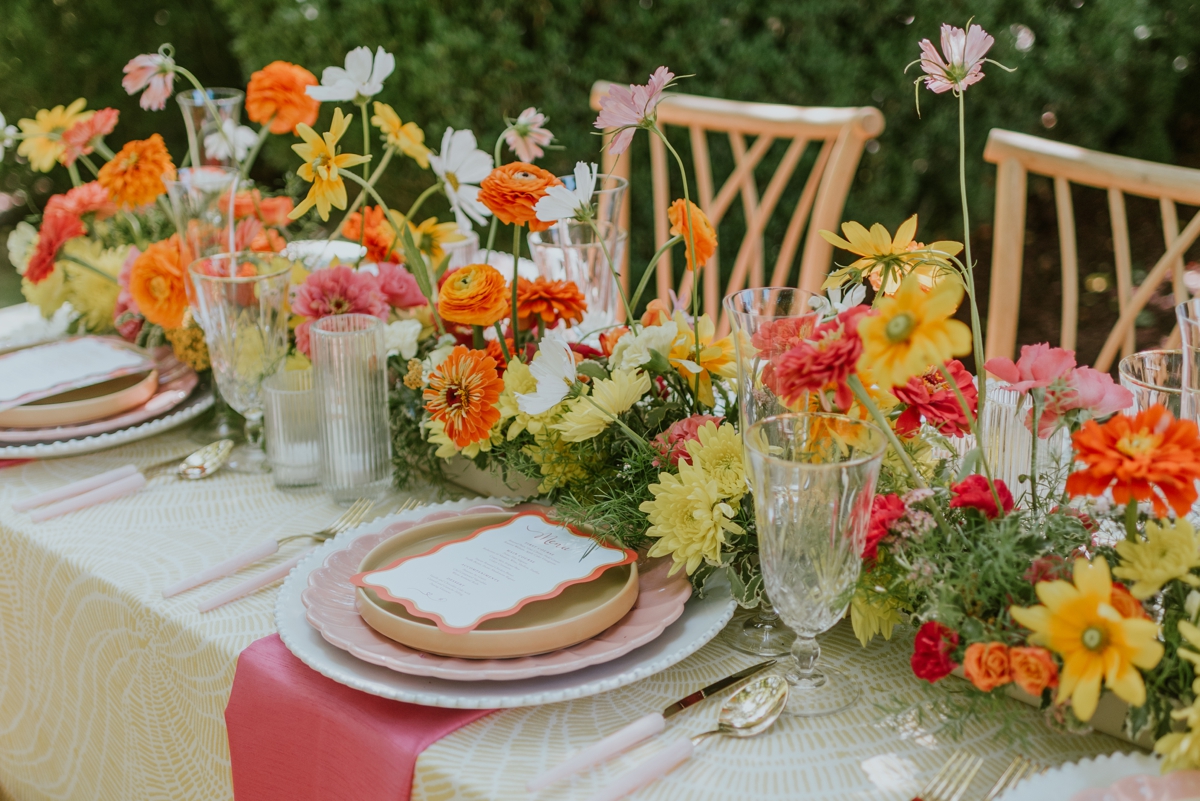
(1115, 75)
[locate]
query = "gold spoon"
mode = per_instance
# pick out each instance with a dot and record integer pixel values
(200, 464)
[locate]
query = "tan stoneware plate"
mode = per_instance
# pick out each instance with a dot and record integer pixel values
(85, 404)
(581, 612)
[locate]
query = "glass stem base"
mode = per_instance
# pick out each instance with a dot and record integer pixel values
(817, 690)
(763, 634)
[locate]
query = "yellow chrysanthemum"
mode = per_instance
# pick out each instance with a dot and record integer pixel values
(717, 452)
(407, 137)
(716, 358)
(689, 518)
(1078, 622)
(93, 292)
(48, 294)
(1169, 551)
(869, 619)
(610, 397)
(886, 259)
(44, 151)
(519, 381)
(912, 331)
(1181, 750)
(321, 165)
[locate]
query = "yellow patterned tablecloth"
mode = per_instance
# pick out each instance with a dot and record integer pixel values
(107, 691)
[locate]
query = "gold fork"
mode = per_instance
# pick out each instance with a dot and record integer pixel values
(1016, 770)
(348, 519)
(404, 506)
(951, 782)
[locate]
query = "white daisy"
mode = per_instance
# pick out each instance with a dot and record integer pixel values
(554, 369)
(462, 165)
(561, 203)
(361, 78)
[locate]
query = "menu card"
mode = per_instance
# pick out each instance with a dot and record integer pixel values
(35, 373)
(493, 572)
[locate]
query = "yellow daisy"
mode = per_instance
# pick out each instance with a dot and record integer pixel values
(44, 147)
(887, 259)
(1169, 551)
(407, 137)
(716, 358)
(321, 164)
(610, 397)
(431, 235)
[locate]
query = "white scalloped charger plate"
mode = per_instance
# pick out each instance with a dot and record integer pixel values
(1063, 782)
(702, 619)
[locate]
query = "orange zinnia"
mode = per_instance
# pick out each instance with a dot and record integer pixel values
(703, 237)
(474, 295)
(511, 192)
(270, 210)
(497, 353)
(156, 282)
(379, 237)
(135, 175)
(550, 300)
(276, 95)
(1148, 457)
(462, 395)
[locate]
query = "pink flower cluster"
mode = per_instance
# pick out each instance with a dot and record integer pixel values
(672, 443)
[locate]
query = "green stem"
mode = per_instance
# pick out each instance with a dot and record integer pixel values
(516, 264)
(496, 151)
(691, 242)
(860, 392)
(503, 344)
(629, 432)
(263, 132)
(612, 268)
(491, 234)
(358, 201)
(74, 173)
(962, 402)
(421, 198)
(637, 296)
(212, 109)
(1033, 457)
(103, 149)
(1131, 520)
(477, 337)
(91, 166)
(366, 167)
(64, 257)
(976, 327)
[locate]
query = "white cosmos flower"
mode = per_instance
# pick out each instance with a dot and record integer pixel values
(241, 136)
(561, 203)
(362, 77)
(7, 132)
(462, 165)
(554, 369)
(401, 337)
(837, 302)
(633, 350)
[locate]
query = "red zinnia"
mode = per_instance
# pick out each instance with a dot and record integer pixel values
(929, 396)
(973, 492)
(931, 651)
(57, 228)
(829, 359)
(885, 510)
(78, 138)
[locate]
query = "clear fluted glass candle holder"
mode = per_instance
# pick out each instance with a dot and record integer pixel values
(293, 435)
(350, 379)
(813, 477)
(1188, 315)
(1154, 377)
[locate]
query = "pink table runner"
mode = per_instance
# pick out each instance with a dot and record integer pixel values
(297, 735)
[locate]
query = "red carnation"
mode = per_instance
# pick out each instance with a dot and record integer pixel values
(929, 396)
(885, 510)
(973, 492)
(57, 228)
(931, 651)
(829, 359)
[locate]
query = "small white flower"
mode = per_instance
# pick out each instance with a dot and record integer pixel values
(594, 323)
(561, 203)
(21, 243)
(445, 346)
(462, 165)
(401, 337)
(242, 137)
(633, 350)
(837, 302)
(526, 135)
(7, 134)
(554, 369)
(362, 77)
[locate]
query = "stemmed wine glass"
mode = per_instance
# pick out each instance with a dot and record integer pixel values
(240, 300)
(813, 477)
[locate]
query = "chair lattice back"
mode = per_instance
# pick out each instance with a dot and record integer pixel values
(752, 128)
(1015, 156)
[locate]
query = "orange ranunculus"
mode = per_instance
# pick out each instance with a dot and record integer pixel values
(474, 295)
(1032, 669)
(986, 665)
(134, 177)
(276, 95)
(462, 395)
(1126, 605)
(270, 210)
(549, 300)
(379, 238)
(157, 283)
(608, 339)
(703, 237)
(512, 190)
(1149, 456)
(658, 311)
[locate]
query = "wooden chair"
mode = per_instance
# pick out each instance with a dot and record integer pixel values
(1015, 156)
(841, 132)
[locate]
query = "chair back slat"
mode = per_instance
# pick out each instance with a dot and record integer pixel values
(1122, 258)
(750, 202)
(1070, 262)
(1170, 223)
(791, 239)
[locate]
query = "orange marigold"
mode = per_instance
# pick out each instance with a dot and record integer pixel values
(379, 237)
(462, 394)
(135, 175)
(512, 190)
(549, 300)
(703, 237)
(276, 95)
(156, 282)
(1147, 457)
(474, 295)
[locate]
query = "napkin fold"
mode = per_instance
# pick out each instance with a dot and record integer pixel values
(297, 735)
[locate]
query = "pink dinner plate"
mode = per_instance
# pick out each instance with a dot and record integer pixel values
(330, 603)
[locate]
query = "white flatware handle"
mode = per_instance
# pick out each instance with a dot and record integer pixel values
(641, 729)
(654, 768)
(106, 492)
(74, 488)
(226, 568)
(254, 584)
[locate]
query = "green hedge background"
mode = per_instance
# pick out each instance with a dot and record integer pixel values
(1115, 75)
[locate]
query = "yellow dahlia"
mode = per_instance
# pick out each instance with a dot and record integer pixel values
(689, 518)
(1168, 551)
(717, 452)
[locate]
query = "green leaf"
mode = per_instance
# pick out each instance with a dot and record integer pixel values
(970, 462)
(592, 369)
(441, 268)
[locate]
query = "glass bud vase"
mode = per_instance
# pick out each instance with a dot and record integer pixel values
(211, 117)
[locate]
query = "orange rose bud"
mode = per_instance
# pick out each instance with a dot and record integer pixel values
(986, 665)
(474, 295)
(703, 237)
(1124, 602)
(550, 300)
(1032, 669)
(512, 190)
(658, 311)
(156, 282)
(608, 339)
(276, 94)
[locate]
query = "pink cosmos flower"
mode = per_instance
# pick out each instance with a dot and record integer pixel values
(1083, 388)
(526, 136)
(399, 286)
(132, 325)
(1039, 366)
(83, 199)
(829, 359)
(154, 72)
(629, 108)
(672, 443)
(80, 136)
(929, 396)
(336, 290)
(963, 64)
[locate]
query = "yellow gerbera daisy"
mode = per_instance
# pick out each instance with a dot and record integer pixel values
(44, 151)
(589, 415)
(431, 235)
(716, 358)
(407, 137)
(1169, 551)
(912, 331)
(321, 164)
(1078, 622)
(887, 259)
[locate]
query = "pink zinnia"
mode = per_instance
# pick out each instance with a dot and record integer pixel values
(672, 443)
(57, 228)
(629, 108)
(132, 325)
(527, 136)
(153, 72)
(83, 199)
(1039, 366)
(79, 138)
(829, 359)
(336, 290)
(929, 396)
(399, 286)
(963, 64)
